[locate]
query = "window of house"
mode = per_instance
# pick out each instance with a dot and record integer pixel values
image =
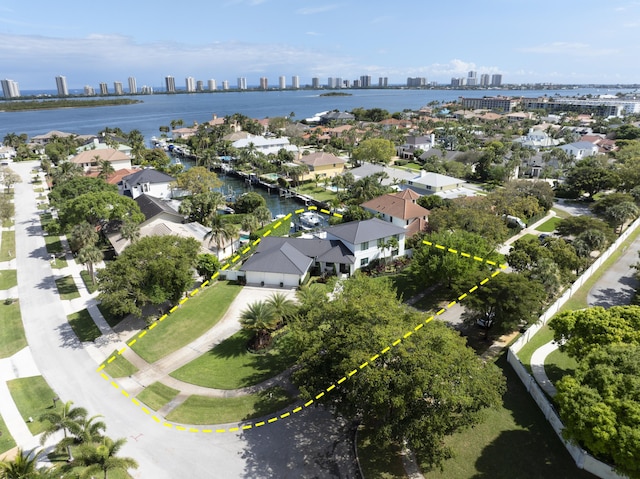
(364, 246)
(364, 261)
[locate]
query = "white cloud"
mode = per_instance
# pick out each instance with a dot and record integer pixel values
(569, 48)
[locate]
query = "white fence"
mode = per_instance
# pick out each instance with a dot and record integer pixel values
(583, 459)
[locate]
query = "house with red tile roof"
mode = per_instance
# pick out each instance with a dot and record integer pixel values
(90, 159)
(400, 209)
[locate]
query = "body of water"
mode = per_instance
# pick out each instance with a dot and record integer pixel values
(158, 110)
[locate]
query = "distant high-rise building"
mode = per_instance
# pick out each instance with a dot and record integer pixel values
(89, 90)
(295, 82)
(315, 82)
(346, 84)
(61, 85)
(242, 83)
(472, 78)
(10, 89)
(383, 82)
(332, 83)
(484, 79)
(199, 85)
(133, 87)
(365, 81)
(461, 81)
(282, 82)
(264, 83)
(103, 89)
(496, 80)
(190, 84)
(146, 90)
(211, 84)
(170, 84)
(117, 88)
(225, 85)
(357, 83)
(416, 81)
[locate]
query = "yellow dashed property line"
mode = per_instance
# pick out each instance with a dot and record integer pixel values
(244, 427)
(463, 254)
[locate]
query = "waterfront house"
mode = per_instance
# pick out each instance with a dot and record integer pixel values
(580, 149)
(147, 181)
(265, 145)
(429, 183)
(52, 135)
(90, 160)
(400, 209)
(413, 143)
(96, 144)
(321, 165)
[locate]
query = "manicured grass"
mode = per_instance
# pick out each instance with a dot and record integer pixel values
(45, 219)
(549, 225)
(319, 193)
(6, 440)
(374, 463)
(514, 440)
(559, 364)
(38, 190)
(157, 395)
(86, 278)
(83, 325)
(561, 213)
(111, 319)
(119, 367)
(8, 246)
(526, 237)
(207, 410)
(8, 278)
(579, 299)
(541, 338)
(43, 206)
(230, 366)
(33, 397)
(405, 285)
(12, 338)
(53, 244)
(67, 288)
(188, 322)
(59, 263)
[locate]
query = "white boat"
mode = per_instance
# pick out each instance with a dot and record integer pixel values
(310, 219)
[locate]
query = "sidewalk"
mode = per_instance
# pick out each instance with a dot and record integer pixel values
(537, 367)
(505, 247)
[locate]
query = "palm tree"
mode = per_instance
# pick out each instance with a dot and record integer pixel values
(250, 223)
(390, 244)
(22, 467)
(106, 168)
(260, 318)
(91, 430)
(102, 458)
(90, 255)
(67, 420)
(263, 215)
(221, 232)
(83, 235)
(130, 230)
(282, 306)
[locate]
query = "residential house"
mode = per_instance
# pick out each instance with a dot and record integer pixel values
(96, 144)
(50, 136)
(337, 117)
(429, 183)
(604, 144)
(400, 209)
(265, 145)
(340, 249)
(321, 165)
(147, 181)
(90, 160)
(7, 152)
(414, 143)
(536, 139)
(580, 149)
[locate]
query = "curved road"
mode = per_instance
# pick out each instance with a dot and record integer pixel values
(312, 444)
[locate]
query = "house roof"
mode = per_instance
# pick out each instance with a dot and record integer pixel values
(52, 134)
(103, 154)
(398, 205)
(276, 256)
(148, 175)
(580, 145)
(321, 158)
(356, 232)
(435, 180)
(151, 206)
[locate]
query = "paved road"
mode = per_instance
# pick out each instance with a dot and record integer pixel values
(310, 445)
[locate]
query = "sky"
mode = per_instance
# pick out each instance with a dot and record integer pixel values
(546, 41)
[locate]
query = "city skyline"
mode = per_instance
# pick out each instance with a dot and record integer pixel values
(256, 39)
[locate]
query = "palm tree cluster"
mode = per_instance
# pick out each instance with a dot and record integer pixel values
(265, 317)
(97, 453)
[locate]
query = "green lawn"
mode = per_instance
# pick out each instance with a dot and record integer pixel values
(12, 338)
(319, 193)
(230, 366)
(561, 213)
(53, 244)
(33, 397)
(8, 278)
(45, 219)
(157, 395)
(376, 465)
(43, 206)
(83, 325)
(527, 236)
(119, 367)
(86, 278)
(59, 263)
(67, 288)
(111, 319)
(188, 322)
(559, 364)
(8, 246)
(541, 338)
(6, 441)
(550, 225)
(206, 410)
(515, 440)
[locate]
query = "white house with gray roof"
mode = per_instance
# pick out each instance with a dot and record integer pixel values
(148, 181)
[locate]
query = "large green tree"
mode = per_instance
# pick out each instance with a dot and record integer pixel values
(155, 269)
(198, 180)
(248, 202)
(591, 175)
(77, 186)
(375, 150)
(600, 405)
(68, 420)
(421, 390)
(96, 208)
(103, 458)
(202, 207)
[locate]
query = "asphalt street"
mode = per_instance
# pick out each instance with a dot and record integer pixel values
(311, 444)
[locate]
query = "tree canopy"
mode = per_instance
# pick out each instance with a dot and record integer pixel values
(375, 150)
(421, 390)
(248, 202)
(153, 270)
(198, 180)
(98, 207)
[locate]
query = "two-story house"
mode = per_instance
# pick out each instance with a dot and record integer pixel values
(321, 165)
(400, 209)
(147, 181)
(414, 143)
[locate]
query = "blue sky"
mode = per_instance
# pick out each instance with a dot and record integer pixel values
(560, 41)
